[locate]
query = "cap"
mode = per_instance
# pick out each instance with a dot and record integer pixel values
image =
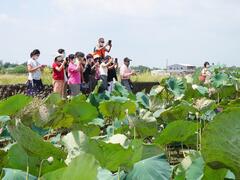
(126, 59)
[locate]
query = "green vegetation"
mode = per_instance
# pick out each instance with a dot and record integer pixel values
(126, 136)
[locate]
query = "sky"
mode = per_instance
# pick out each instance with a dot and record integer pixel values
(150, 32)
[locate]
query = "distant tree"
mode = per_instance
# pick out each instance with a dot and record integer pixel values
(141, 69)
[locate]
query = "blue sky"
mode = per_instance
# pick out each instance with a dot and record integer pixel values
(148, 31)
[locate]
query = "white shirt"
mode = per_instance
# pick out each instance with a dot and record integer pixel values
(103, 69)
(36, 74)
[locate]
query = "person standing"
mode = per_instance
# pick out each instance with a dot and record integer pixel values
(34, 83)
(79, 59)
(74, 69)
(104, 72)
(205, 74)
(58, 75)
(126, 73)
(112, 74)
(101, 49)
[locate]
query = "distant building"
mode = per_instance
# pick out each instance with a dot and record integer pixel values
(160, 73)
(181, 68)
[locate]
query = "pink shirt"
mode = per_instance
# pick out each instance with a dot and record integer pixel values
(125, 72)
(74, 74)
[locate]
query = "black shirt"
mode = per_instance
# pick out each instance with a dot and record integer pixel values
(112, 73)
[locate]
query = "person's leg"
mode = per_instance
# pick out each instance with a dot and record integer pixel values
(105, 83)
(37, 87)
(30, 89)
(75, 89)
(126, 84)
(62, 88)
(110, 87)
(57, 87)
(104, 86)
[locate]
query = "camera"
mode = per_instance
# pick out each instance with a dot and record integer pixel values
(110, 42)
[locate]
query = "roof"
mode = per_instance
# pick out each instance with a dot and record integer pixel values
(183, 65)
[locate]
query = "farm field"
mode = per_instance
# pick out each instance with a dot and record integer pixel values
(180, 130)
(8, 79)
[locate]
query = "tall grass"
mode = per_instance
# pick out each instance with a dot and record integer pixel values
(6, 79)
(146, 77)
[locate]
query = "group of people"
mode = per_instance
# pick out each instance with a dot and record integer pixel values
(77, 72)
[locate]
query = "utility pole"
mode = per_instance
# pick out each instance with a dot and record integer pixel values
(166, 65)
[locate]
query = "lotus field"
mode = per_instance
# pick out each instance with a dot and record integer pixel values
(179, 130)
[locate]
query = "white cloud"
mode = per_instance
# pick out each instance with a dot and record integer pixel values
(4, 18)
(124, 7)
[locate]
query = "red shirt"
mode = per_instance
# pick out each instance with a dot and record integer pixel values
(57, 75)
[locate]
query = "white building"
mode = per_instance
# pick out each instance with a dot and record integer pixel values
(181, 68)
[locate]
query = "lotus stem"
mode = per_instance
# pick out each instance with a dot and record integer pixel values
(40, 169)
(118, 173)
(134, 132)
(27, 169)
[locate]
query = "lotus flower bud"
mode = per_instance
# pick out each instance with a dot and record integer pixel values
(50, 159)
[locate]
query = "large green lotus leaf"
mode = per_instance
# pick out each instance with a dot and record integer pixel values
(83, 167)
(110, 156)
(145, 125)
(221, 141)
(180, 111)
(90, 130)
(228, 92)
(33, 144)
(150, 150)
(211, 174)
(73, 142)
(14, 104)
(116, 108)
(191, 93)
(104, 174)
(82, 111)
(195, 171)
(3, 156)
(159, 97)
(178, 131)
(176, 86)
(17, 158)
(143, 99)
(60, 120)
(153, 168)
(234, 103)
(49, 114)
(202, 90)
(96, 98)
(204, 104)
(15, 174)
(194, 167)
(53, 98)
(119, 90)
(219, 79)
(191, 167)
(196, 75)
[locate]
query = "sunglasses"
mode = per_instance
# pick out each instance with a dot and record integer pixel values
(102, 42)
